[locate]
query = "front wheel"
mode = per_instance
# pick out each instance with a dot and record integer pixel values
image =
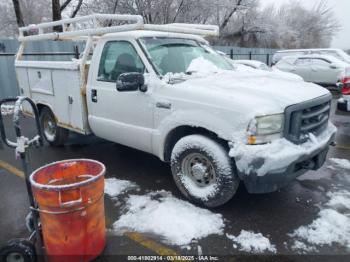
(54, 135)
(18, 250)
(203, 171)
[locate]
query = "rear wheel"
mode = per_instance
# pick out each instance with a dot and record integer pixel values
(54, 135)
(18, 250)
(203, 171)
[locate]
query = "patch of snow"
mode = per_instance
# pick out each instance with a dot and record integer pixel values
(278, 154)
(202, 66)
(331, 227)
(300, 246)
(115, 187)
(339, 200)
(177, 221)
(340, 163)
(252, 242)
(7, 109)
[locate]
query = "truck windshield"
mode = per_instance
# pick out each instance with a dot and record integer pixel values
(174, 55)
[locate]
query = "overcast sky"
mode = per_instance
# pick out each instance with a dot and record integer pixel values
(341, 10)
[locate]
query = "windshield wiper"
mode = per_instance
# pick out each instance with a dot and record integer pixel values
(175, 78)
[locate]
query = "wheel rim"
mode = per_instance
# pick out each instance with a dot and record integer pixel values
(199, 169)
(15, 257)
(49, 126)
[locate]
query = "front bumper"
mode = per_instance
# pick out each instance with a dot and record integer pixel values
(276, 180)
(267, 168)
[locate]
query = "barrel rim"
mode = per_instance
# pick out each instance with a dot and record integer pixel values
(69, 186)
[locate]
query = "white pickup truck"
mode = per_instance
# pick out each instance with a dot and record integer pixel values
(163, 90)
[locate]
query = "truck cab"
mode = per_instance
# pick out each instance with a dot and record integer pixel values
(162, 89)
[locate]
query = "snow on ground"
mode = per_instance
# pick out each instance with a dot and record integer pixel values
(252, 242)
(177, 222)
(340, 163)
(7, 109)
(300, 246)
(331, 227)
(115, 187)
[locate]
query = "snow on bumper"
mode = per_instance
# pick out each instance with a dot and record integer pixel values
(265, 168)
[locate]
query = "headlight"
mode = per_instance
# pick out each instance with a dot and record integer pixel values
(264, 129)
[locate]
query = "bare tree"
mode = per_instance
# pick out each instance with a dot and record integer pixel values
(290, 26)
(18, 12)
(76, 8)
(33, 12)
(56, 14)
(57, 10)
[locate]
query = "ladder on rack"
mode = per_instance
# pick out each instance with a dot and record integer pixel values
(93, 25)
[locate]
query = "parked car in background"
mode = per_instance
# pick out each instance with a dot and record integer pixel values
(337, 53)
(321, 69)
(258, 65)
(344, 101)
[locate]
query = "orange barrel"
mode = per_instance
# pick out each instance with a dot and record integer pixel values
(70, 200)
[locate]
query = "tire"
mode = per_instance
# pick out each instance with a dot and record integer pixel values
(20, 250)
(203, 171)
(54, 135)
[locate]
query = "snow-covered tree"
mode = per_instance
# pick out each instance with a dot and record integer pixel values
(290, 26)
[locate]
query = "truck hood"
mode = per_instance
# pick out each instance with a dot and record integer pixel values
(259, 91)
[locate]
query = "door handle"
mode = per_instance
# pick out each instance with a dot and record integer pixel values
(94, 95)
(163, 104)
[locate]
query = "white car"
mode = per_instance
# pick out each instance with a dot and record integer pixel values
(337, 53)
(264, 67)
(321, 69)
(170, 94)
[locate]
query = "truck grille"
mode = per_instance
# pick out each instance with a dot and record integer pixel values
(305, 118)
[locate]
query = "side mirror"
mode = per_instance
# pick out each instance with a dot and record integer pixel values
(131, 82)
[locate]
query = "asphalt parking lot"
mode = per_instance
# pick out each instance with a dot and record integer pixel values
(274, 215)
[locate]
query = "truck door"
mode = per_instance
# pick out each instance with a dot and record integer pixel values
(122, 117)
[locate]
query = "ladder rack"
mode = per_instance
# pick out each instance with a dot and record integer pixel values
(92, 25)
